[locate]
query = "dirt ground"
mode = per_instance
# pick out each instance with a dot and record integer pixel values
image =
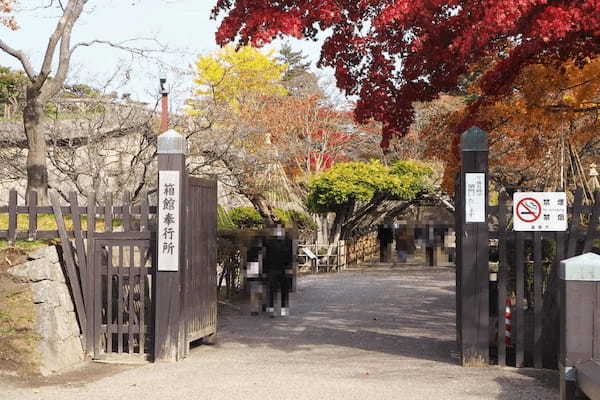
(370, 333)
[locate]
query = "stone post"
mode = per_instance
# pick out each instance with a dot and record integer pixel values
(579, 318)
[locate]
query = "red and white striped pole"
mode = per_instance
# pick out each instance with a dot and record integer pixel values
(508, 322)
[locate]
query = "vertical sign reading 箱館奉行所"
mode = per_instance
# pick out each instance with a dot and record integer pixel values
(168, 222)
(475, 197)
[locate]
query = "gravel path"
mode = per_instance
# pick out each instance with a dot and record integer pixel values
(376, 333)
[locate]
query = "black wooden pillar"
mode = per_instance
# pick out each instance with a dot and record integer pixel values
(472, 266)
(168, 293)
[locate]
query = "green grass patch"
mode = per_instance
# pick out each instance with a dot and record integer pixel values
(47, 222)
(18, 340)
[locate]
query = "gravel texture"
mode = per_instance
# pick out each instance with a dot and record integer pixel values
(371, 333)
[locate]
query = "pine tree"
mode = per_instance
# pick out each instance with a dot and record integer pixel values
(295, 60)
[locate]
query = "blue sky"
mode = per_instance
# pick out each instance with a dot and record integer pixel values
(184, 26)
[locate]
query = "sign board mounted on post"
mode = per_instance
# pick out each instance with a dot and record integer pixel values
(168, 222)
(474, 197)
(540, 211)
(309, 253)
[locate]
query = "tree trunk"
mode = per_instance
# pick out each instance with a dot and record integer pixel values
(264, 208)
(37, 170)
(322, 228)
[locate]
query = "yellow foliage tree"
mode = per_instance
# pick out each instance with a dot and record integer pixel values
(233, 77)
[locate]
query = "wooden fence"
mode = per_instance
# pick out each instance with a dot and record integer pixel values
(527, 274)
(108, 224)
(108, 249)
(338, 257)
(362, 248)
(330, 257)
(124, 215)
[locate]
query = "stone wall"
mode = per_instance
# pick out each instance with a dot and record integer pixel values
(60, 346)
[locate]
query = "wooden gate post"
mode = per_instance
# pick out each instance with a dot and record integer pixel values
(170, 245)
(472, 265)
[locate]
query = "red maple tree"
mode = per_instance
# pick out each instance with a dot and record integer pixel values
(391, 53)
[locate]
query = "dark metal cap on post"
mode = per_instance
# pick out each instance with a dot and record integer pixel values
(474, 139)
(163, 89)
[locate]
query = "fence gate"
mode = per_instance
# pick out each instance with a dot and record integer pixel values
(123, 307)
(200, 273)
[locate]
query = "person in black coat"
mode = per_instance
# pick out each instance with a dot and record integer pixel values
(278, 265)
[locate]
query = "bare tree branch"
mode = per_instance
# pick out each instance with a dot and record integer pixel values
(19, 55)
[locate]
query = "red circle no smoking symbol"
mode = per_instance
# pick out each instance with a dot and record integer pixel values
(529, 209)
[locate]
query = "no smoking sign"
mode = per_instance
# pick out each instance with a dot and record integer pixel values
(540, 211)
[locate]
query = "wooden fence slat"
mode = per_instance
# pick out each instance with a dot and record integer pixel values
(81, 256)
(126, 214)
(96, 280)
(575, 224)
(503, 269)
(94, 277)
(144, 213)
(109, 299)
(32, 205)
(519, 331)
(78, 234)
(120, 303)
(108, 212)
(131, 314)
(144, 256)
(592, 225)
(537, 299)
(70, 263)
(12, 217)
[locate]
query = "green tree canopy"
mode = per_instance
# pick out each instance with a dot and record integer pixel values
(12, 83)
(356, 182)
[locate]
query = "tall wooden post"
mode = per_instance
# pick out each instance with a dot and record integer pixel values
(579, 318)
(170, 245)
(472, 266)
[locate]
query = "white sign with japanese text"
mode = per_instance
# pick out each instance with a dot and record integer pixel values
(168, 220)
(475, 197)
(540, 211)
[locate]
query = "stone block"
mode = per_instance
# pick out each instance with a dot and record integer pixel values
(64, 296)
(45, 292)
(49, 253)
(60, 346)
(46, 324)
(38, 270)
(61, 355)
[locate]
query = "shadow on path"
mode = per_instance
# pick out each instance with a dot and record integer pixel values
(406, 312)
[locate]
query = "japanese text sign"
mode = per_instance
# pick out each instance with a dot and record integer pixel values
(540, 211)
(475, 197)
(168, 220)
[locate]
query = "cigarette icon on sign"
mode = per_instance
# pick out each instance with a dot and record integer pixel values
(529, 209)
